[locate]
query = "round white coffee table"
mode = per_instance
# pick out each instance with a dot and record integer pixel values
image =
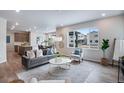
(59, 62)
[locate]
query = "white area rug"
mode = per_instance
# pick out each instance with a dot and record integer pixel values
(76, 74)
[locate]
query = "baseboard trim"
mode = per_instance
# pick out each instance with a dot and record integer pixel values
(98, 62)
(91, 60)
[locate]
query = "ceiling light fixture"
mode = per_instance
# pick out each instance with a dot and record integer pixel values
(103, 14)
(17, 23)
(12, 27)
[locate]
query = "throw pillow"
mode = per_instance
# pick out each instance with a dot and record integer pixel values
(40, 46)
(44, 51)
(77, 52)
(39, 53)
(31, 54)
(49, 51)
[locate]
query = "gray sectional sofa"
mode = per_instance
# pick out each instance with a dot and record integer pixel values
(33, 62)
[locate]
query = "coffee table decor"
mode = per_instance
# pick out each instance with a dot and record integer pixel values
(59, 62)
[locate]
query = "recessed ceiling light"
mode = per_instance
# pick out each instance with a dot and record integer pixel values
(17, 11)
(12, 27)
(103, 14)
(17, 23)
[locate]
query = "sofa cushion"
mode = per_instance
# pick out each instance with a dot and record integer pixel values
(49, 51)
(31, 54)
(39, 53)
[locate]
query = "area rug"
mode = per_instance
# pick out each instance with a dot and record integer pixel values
(76, 73)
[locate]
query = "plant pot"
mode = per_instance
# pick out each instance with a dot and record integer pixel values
(104, 61)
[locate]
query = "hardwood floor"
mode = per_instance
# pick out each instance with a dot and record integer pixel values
(6, 73)
(9, 69)
(98, 73)
(14, 60)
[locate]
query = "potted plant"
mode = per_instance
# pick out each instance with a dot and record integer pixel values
(104, 47)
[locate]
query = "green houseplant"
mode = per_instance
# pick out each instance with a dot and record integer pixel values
(104, 47)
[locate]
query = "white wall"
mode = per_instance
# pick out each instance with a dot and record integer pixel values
(111, 27)
(2, 40)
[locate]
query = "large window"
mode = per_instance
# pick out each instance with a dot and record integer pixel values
(84, 38)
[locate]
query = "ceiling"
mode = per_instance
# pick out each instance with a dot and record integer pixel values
(48, 20)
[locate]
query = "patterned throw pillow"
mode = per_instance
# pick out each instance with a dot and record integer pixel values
(39, 53)
(31, 54)
(49, 51)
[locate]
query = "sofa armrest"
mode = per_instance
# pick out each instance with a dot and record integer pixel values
(82, 55)
(26, 57)
(25, 61)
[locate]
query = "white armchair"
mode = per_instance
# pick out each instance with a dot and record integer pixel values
(77, 54)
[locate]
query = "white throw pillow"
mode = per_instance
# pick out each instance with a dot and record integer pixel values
(39, 53)
(31, 54)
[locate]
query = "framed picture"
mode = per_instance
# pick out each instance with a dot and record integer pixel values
(7, 39)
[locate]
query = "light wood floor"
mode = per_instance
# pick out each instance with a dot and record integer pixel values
(9, 69)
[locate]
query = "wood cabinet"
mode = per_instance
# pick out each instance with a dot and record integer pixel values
(21, 37)
(23, 49)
